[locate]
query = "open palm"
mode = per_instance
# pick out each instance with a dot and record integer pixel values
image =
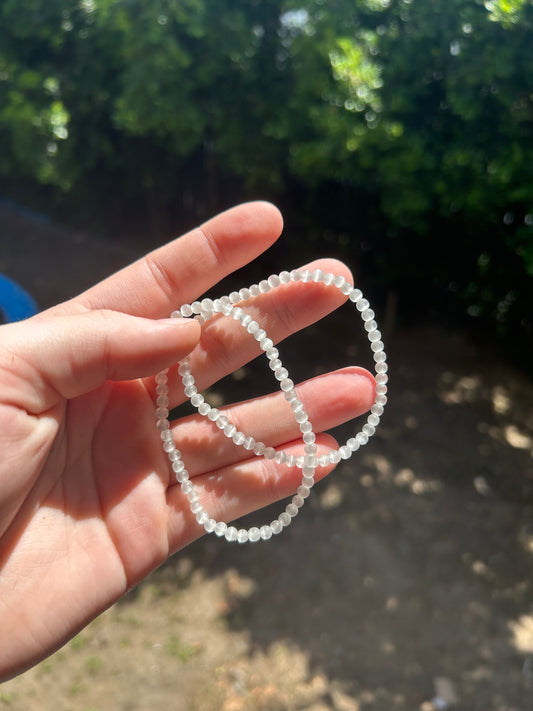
(88, 505)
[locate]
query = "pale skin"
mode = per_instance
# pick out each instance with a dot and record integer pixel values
(88, 505)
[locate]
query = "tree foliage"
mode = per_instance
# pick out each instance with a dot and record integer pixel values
(405, 124)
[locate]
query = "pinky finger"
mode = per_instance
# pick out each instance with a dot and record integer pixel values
(238, 489)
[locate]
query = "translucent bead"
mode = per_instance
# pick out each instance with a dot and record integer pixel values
(187, 486)
(299, 462)
(182, 477)
(309, 437)
(274, 281)
(237, 313)
(252, 327)
(244, 294)
(220, 528)
(381, 378)
(174, 455)
(286, 385)
(207, 304)
(369, 429)
(186, 310)
(209, 525)
(166, 434)
(255, 290)
(204, 408)
(362, 304)
(178, 466)
(190, 390)
(269, 453)
(345, 452)
(380, 357)
(317, 275)
(356, 295)
(162, 424)
(234, 297)
(230, 429)
(197, 400)
(367, 315)
(248, 443)
(276, 526)
(309, 460)
(310, 447)
(291, 509)
(238, 437)
(259, 448)
(162, 389)
(306, 275)
(381, 389)
(291, 459)
(222, 421)
(334, 457)
(175, 314)
(374, 336)
(193, 496)
(254, 534)
(266, 344)
(370, 326)
(296, 275)
(346, 288)
(306, 427)
(264, 286)
(230, 533)
(162, 401)
(308, 481)
(284, 277)
(161, 378)
(373, 419)
(303, 491)
(381, 367)
(284, 518)
(275, 364)
(161, 412)
(272, 353)
(242, 535)
(323, 460)
(202, 517)
(245, 320)
(381, 399)
(298, 500)
(328, 278)
(353, 444)
(196, 507)
(301, 417)
(376, 409)
(339, 281)
(213, 414)
(169, 446)
(280, 457)
(266, 533)
(377, 346)
(196, 307)
(259, 335)
(362, 438)
(281, 373)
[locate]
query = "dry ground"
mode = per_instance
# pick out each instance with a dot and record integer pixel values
(406, 583)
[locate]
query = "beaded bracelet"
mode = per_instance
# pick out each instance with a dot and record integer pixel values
(227, 306)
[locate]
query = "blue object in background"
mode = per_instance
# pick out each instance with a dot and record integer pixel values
(15, 302)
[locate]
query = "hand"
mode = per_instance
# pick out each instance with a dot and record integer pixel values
(88, 504)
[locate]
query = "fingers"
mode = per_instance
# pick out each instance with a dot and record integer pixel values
(180, 271)
(329, 400)
(225, 345)
(236, 490)
(68, 356)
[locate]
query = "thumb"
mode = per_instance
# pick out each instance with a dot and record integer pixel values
(72, 355)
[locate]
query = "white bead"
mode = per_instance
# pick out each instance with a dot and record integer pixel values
(229, 430)
(369, 429)
(264, 286)
(317, 275)
(266, 533)
(274, 281)
(269, 453)
(255, 290)
(238, 437)
(298, 500)
(362, 304)
(242, 535)
(197, 400)
(169, 446)
(220, 528)
(356, 295)
(190, 390)
(254, 534)
(245, 294)
(276, 527)
(373, 419)
(345, 452)
(292, 510)
(259, 448)
(230, 533)
(161, 412)
(286, 385)
(346, 288)
(209, 525)
(284, 518)
(303, 491)
(204, 408)
(284, 277)
(186, 310)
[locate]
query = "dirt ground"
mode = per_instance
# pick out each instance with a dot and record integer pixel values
(405, 584)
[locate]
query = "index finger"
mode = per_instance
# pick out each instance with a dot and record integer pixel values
(188, 266)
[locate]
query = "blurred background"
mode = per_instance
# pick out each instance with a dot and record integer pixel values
(396, 135)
